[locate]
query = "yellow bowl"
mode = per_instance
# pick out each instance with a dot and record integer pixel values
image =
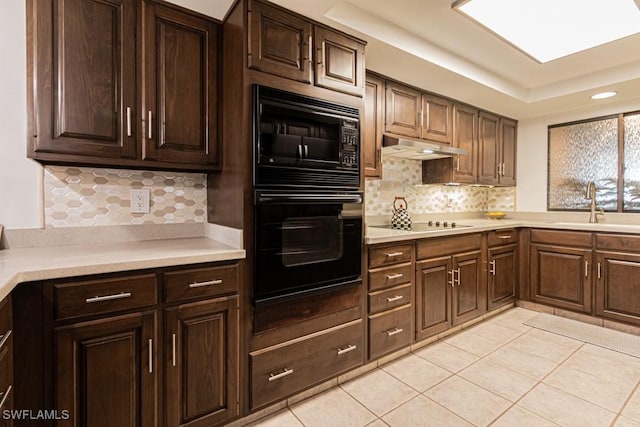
(496, 215)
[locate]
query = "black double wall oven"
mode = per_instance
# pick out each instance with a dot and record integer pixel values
(307, 202)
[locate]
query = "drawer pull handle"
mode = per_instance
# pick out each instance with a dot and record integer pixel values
(394, 254)
(394, 276)
(395, 298)
(5, 396)
(505, 237)
(209, 283)
(346, 349)
(109, 297)
(392, 332)
(4, 338)
(284, 373)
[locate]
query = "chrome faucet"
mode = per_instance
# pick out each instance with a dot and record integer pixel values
(591, 194)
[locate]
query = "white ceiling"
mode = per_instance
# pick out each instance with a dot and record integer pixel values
(426, 43)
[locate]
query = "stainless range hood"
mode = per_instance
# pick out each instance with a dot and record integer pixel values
(414, 149)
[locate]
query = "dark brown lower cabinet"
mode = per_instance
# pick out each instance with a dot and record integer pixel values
(201, 362)
(502, 275)
(561, 276)
(449, 291)
(6, 361)
(618, 286)
(106, 371)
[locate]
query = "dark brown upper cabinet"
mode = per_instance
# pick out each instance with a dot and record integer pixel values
(86, 102)
(291, 46)
(181, 93)
(339, 61)
(497, 149)
(372, 128)
(465, 136)
(402, 110)
(280, 42)
(437, 116)
(83, 64)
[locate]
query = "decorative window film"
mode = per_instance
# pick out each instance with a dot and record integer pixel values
(632, 162)
(579, 153)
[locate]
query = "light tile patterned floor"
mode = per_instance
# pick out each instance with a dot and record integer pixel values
(500, 373)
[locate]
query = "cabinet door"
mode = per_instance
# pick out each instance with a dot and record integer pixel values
(106, 372)
(488, 140)
(438, 113)
(181, 87)
(433, 296)
(502, 276)
(508, 130)
(201, 342)
(372, 130)
(561, 276)
(618, 286)
(465, 136)
(84, 79)
(468, 297)
(402, 110)
(279, 43)
(339, 62)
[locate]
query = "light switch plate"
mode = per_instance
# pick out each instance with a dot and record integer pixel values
(139, 201)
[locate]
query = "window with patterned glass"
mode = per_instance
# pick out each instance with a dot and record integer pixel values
(579, 153)
(631, 180)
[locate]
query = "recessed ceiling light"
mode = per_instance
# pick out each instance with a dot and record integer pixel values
(603, 95)
(551, 29)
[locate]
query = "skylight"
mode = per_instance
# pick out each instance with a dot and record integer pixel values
(551, 29)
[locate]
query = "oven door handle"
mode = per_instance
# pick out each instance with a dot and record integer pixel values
(264, 198)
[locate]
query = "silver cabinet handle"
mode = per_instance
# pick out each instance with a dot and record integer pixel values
(394, 276)
(346, 349)
(457, 281)
(5, 396)
(150, 356)
(128, 121)
(310, 49)
(150, 125)
(395, 331)
(492, 267)
(4, 338)
(306, 151)
(586, 269)
(395, 298)
(458, 164)
(208, 283)
(121, 295)
(173, 349)
(284, 373)
(599, 277)
(300, 154)
(394, 254)
(450, 281)
(505, 237)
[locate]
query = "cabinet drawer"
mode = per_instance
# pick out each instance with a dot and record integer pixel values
(389, 298)
(387, 255)
(562, 238)
(104, 295)
(384, 278)
(200, 282)
(502, 237)
(281, 370)
(439, 246)
(618, 242)
(389, 331)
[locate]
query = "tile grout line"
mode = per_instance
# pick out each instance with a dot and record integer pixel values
(636, 389)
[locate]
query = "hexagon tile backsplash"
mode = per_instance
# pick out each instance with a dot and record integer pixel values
(79, 197)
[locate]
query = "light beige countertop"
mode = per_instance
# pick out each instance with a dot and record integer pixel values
(28, 264)
(558, 221)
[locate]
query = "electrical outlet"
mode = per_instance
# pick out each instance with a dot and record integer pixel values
(139, 201)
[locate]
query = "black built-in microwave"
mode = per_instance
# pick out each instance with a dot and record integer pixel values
(304, 142)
